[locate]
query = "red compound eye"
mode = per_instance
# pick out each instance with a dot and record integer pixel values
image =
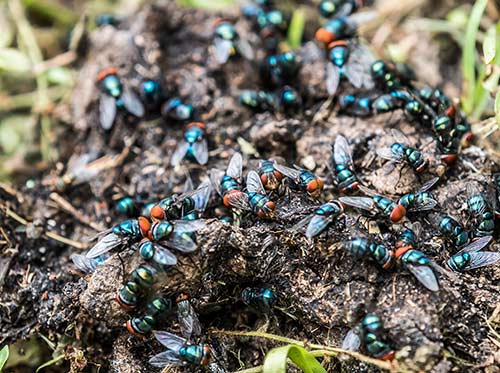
(144, 225)
(157, 213)
(105, 73)
(449, 158)
(324, 36)
(398, 213)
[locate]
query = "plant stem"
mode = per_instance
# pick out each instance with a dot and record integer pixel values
(318, 350)
(56, 12)
(43, 103)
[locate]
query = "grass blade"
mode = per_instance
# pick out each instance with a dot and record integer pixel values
(497, 108)
(490, 44)
(4, 355)
(296, 29)
(277, 359)
(468, 54)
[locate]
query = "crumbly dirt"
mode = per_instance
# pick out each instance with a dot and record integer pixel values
(322, 291)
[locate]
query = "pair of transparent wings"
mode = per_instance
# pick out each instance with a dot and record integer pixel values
(223, 48)
(171, 356)
(424, 273)
(199, 149)
(342, 152)
(389, 153)
(369, 204)
(177, 240)
(315, 223)
(356, 70)
(479, 258)
(87, 265)
(108, 108)
(234, 171)
(188, 320)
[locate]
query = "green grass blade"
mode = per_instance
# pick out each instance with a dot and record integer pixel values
(468, 54)
(296, 29)
(207, 4)
(4, 355)
(277, 359)
(497, 108)
(490, 44)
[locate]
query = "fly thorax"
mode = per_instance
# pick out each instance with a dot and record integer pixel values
(161, 230)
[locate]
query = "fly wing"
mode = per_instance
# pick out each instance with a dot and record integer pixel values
(400, 137)
(190, 325)
(235, 167)
(179, 153)
(358, 68)
(477, 245)
(200, 151)
(222, 50)
(164, 256)
(169, 340)
(302, 223)
(84, 264)
(368, 191)
(345, 9)
(483, 259)
(165, 358)
(215, 177)
(427, 204)
(452, 276)
(202, 196)
(332, 78)
(107, 111)
(287, 171)
(388, 154)
(132, 102)
(182, 242)
(317, 225)
(342, 152)
(428, 184)
(105, 244)
(425, 275)
(352, 340)
(254, 184)
(189, 190)
(364, 203)
(188, 186)
(189, 225)
(245, 49)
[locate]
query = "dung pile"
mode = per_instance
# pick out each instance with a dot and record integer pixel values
(322, 291)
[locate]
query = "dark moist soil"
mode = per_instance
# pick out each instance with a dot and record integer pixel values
(322, 291)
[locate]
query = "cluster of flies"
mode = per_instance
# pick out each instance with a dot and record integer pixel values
(168, 224)
(157, 228)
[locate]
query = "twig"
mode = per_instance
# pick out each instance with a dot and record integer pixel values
(65, 240)
(28, 100)
(68, 207)
(50, 235)
(62, 59)
(320, 349)
(43, 103)
(33, 50)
